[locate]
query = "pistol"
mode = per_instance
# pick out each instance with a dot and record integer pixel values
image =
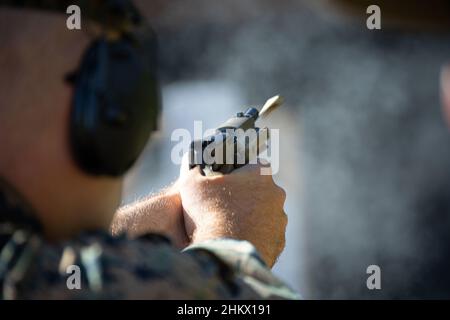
(235, 143)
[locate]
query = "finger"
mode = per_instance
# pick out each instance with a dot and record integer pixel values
(258, 168)
(445, 91)
(185, 169)
(281, 193)
(285, 219)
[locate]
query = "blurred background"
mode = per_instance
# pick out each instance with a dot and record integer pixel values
(365, 153)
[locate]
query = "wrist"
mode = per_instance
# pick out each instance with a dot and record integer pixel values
(214, 230)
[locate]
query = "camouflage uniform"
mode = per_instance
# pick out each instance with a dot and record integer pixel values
(120, 268)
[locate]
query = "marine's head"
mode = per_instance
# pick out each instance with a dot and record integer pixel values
(76, 109)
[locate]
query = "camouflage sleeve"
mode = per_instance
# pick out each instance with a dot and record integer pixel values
(246, 263)
(99, 266)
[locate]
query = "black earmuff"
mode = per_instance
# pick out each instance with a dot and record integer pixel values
(115, 105)
(116, 93)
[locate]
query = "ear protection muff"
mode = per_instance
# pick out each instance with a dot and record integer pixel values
(116, 95)
(115, 105)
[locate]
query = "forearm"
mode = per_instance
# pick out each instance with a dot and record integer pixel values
(159, 213)
(139, 217)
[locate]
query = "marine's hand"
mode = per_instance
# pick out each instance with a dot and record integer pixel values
(242, 205)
